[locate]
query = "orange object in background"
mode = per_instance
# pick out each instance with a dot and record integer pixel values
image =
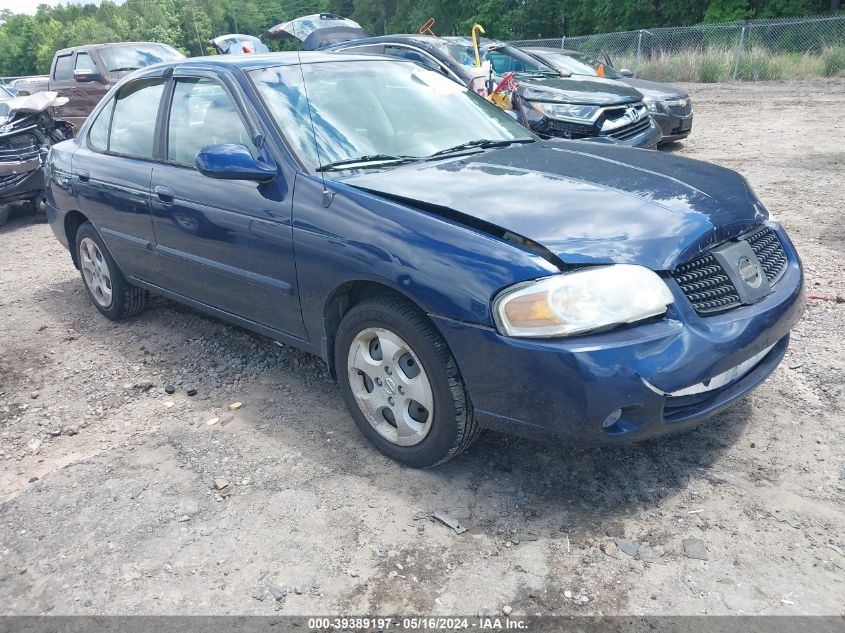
(600, 71)
(425, 29)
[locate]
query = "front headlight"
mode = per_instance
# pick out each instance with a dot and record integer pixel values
(566, 111)
(652, 105)
(581, 301)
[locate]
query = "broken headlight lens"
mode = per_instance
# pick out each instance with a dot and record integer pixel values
(581, 301)
(566, 111)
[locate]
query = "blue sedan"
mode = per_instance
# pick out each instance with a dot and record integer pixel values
(453, 270)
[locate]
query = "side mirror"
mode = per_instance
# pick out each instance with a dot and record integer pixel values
(626, 72)
(86, 74)
(229, 161)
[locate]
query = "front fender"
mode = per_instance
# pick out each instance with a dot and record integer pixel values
(447, 268)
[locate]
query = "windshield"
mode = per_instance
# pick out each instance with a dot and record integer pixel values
(5, 94)
(130, 57)
(579, 64)
(378, 108)
(502, 58)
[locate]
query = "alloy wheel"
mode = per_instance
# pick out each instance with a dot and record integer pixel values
(390, 386)
(95, 272)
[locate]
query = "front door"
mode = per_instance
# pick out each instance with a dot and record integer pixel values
(225, 243)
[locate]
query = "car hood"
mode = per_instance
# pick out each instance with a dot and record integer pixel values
(587, 203)
(656, 90)
(31, 104)
(585, 90)
(238, 44)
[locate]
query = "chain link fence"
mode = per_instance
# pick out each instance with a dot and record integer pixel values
(793, 48)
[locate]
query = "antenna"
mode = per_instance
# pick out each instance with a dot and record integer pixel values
(328, 196)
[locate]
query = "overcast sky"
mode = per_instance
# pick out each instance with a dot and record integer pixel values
(29, 6)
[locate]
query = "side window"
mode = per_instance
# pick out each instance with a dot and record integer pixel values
(64, 68)
(504, 63)
(84, 62)
(370, 49)
(134, 119)
(98, 135)
(414, 56)
(202, 113)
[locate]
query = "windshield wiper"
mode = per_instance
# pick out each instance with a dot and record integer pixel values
(479, 144)
(124, 68)
(541, 73)
(365, 161)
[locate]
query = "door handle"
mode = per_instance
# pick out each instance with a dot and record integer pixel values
(83, 175)
(165, 194)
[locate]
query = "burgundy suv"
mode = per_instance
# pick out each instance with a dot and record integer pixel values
(84, 74)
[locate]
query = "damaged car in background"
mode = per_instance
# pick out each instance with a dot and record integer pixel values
(538, 96)
(669, 106)
(27, 132)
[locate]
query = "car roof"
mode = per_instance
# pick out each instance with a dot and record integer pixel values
(384, 39)
(262, 60)
(417, 38)
(90, 47)
(550, 49)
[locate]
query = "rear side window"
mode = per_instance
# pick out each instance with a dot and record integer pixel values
(133, 122)
(98, 136)
(370, 49)
(84, 62)
(412, 55)
(202, 113)
(64, 68)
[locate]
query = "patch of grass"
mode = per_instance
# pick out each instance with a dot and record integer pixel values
(716, 64)
(833, 60)
(714, 68)
(758, 64)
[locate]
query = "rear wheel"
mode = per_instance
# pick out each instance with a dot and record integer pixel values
(109, 291)
(401, 383)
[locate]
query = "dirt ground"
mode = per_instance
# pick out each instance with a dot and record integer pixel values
(107, 483)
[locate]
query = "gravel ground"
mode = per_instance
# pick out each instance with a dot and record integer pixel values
(108, 499)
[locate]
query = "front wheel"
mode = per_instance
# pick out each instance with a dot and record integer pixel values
(109, 291)
(401, 383)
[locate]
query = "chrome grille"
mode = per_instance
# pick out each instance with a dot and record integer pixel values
(630, 130)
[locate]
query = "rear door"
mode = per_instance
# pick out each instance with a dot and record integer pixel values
(224, 243)
(112, 171)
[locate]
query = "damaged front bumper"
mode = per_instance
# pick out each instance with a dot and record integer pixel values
(27, 131)
(631, 383)
(21, 174)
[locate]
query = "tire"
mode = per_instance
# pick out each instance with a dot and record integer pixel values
(99, 272)
(4, 214)
(421, 440)
(37, 205)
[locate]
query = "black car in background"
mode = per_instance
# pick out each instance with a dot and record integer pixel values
(546, 102)
(669, 106)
